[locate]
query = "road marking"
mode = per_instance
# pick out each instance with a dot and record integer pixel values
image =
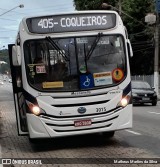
(1, 156)
(133, 132)
(153, 112)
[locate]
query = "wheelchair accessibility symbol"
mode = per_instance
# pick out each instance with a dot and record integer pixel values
(86, 81)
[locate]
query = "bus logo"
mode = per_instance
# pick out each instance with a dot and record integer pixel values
(81, 110)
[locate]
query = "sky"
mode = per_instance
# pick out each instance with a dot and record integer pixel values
(9, 22)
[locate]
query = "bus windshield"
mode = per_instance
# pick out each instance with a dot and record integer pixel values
(67, 64)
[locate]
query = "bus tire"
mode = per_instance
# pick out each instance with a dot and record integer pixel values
(108, 134)
(33, 140)
(154, 103)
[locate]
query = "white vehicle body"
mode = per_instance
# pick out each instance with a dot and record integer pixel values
(84, 110)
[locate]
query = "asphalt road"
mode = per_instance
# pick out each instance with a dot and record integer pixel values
(6, 93)
(146, 128)
(142, 141)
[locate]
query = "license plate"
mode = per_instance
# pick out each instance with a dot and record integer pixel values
(145, 98)
(82, 123)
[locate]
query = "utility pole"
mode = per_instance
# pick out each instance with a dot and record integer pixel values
(154, 19)
(156, 56)
(120, 7)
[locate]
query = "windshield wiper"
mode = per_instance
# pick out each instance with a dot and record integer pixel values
(94, 45)
(51, 41)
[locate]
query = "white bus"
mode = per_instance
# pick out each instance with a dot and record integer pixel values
(71, 75)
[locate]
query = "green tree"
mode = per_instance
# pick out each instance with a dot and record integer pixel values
(141, 35)
(137, 10)
(4, 68)
(4, 57)
(92, 4)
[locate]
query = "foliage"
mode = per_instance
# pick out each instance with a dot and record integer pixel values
(92, 4)
(140, 34)
(4, 57)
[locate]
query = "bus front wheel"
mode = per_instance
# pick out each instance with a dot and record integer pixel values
(34, 140)
(108, 134)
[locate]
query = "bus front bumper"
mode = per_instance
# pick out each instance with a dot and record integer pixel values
(39, 127)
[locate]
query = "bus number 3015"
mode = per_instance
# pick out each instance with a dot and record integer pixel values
(46, 23)
(102, 109)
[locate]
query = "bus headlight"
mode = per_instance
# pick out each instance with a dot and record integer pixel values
(124, 101)
(35, 109)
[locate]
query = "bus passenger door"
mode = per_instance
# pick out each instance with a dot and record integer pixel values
(19, 100)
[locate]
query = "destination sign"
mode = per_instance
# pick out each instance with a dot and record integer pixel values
(71, 22)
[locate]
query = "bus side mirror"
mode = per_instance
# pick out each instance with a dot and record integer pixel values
(16, 55)
(130, 51)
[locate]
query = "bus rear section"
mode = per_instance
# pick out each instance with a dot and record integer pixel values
(72, 76)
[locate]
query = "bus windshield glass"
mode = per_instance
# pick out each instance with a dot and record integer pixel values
(75, 63)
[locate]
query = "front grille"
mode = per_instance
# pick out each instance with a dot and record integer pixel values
(74, 130)
(47, 116)
(96, 124)
(64, 125)
(145, 95)
(80, 104)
